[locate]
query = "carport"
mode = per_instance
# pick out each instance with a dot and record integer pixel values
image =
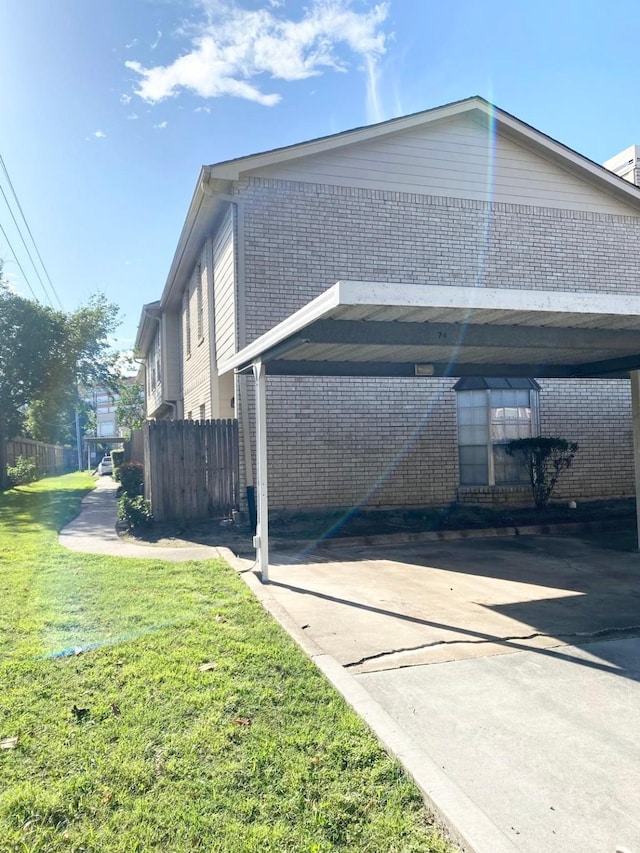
(363, 328)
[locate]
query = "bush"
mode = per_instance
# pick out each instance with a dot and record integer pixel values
(134, 511)
(117, 457)
(546, 458)
(24, 471)
(131, 477)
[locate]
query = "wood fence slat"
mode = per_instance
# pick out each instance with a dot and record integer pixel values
(191, 469)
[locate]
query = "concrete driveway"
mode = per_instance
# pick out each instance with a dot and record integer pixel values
(512, 663)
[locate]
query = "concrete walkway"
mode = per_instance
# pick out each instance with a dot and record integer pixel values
(94, 532)
(458, 657)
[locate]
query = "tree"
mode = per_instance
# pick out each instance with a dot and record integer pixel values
(545, 458)
(130, 409)
(44, 356)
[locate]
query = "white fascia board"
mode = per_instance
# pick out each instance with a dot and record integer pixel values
(386, 294)
(376, 293)
(149, 315)
(318, 308)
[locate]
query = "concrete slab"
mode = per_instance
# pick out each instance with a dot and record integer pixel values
(548, 746)
(471, 649)
(406, 605)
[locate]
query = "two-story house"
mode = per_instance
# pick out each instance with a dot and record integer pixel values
(461, 222)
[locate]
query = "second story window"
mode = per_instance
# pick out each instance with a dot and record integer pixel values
(199, 308)
(187, 323)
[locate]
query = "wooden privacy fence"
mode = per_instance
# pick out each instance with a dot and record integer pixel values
(49, 458)
(191, 469)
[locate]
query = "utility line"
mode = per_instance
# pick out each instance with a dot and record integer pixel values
(24, 275)
(26, 248)
(35, 245)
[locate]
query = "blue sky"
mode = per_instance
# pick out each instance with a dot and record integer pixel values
(109, 109)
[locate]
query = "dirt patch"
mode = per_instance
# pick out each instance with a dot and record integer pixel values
(357, 522)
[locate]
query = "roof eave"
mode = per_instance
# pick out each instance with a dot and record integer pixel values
(147, 325)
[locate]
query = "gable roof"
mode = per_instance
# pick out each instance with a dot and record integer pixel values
(482, 110)
(214, 181)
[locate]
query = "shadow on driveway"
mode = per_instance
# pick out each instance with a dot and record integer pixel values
(405, 605)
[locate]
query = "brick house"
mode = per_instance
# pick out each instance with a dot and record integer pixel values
(461, 199)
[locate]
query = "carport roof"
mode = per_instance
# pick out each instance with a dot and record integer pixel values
(364, 328)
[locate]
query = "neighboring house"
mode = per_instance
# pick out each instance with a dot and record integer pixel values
(105, 405)
(461, 196)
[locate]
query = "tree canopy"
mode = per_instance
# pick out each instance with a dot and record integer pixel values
(130, 410)
(45, 356)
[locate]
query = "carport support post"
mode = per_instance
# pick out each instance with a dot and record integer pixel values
(634, 376)
(261, 539)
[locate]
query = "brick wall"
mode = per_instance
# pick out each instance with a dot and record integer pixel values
(301, 238)
(339, 442)
(597, 414)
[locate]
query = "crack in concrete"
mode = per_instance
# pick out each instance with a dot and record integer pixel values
(601, 634)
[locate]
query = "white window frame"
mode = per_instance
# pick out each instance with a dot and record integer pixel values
(490, 443)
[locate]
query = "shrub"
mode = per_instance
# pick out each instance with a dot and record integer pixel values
(134, 511)
(546, 458)
(131, 477)
(117, 457)
(24, 471)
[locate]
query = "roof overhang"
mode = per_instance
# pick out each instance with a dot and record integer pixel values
(147, 327)
(365, 328)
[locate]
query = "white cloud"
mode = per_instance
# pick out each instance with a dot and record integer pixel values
(132, 117)
(161, 125)
(125, 99)
(131, 44)
(202, 110)
(235, 45)
(157, 41)
(99, 134)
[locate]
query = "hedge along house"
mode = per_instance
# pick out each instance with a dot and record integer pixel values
(465, 244)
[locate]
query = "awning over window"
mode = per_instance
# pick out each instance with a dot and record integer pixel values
(494, 383)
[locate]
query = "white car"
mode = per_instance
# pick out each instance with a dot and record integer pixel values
(105, 466)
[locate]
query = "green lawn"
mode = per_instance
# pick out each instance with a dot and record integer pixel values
(257, 753)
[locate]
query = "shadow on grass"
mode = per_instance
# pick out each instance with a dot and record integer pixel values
(26, 507)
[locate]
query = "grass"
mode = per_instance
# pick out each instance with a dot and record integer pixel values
(129, 746)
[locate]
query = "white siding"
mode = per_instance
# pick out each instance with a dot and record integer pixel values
(171, 355)
(459, 158)
(196, 363)
(154, 382)
(224, 276)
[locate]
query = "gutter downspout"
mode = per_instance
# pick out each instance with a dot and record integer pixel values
(242, 398)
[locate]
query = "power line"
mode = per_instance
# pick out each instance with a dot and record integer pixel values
(24, 275)
(35, 245)
(26, 248)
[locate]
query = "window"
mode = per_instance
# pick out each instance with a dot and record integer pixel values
(187, 323)
(200, 320)
(203, 414)
(492, 412)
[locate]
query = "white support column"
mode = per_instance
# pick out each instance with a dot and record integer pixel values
(634, 375)
(261, 539)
